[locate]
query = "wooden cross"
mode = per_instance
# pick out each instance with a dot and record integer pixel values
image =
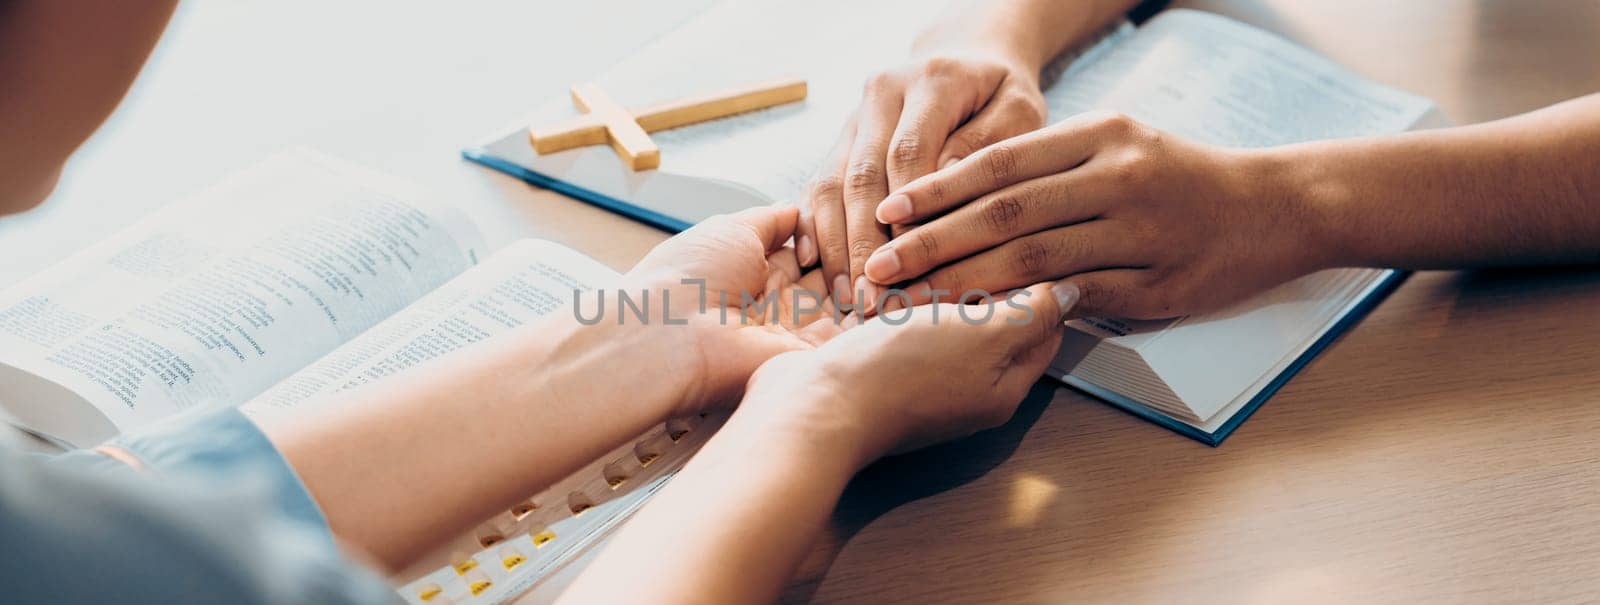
(606, 121)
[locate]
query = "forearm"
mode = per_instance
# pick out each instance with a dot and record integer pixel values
(1030, 31)
(420, 457)
(734, 524)
(1524, 190)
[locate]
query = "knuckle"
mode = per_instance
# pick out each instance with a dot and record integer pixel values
(825, 188)
(863, 174)
(908, 149)
(925, 245)
(966, 141)
(1032, 258)
(880, 83)
(1025, 111)
(1000, 163)
(936, 67)
(832, 248)
(1102, 296)
(1002, 213)
(1126, 171)
(861, 247)
(934, 191)
(1114, 123)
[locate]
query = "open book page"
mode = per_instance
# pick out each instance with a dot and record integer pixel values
(1212, 79)
(525, 280)
(750, 159)
(1209, 78)
(215, 298)
(515, 550)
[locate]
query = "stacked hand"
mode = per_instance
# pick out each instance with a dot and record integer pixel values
(912, 120)
(1145, 224)
(901, 380)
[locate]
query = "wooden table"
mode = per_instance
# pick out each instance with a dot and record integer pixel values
(1448, 449)
(1445, 450)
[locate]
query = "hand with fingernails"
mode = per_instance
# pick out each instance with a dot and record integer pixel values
(912, 120)
(1145, 224)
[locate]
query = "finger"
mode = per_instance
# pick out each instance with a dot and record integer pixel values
(805, 238)
(783, 268)
(826, 195)
(1004, 117)
(1032, 320)
(806, 302)
(1058, 148)
(772, 225)
(1112, 293)
(932, 110)
(1022, 209)
(1031, 314)
(865, 180)
(1047, 255)
(813, 281)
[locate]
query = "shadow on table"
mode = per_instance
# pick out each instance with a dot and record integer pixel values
(897, 480)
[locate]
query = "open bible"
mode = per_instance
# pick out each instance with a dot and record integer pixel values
(1191, 73)
(285, 284)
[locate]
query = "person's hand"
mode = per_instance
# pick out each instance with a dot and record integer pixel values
(914, 377)
(1147, 225)
(912, 120)
(735, 293)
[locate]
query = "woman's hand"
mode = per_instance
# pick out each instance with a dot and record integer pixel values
(737, 295)
(912, 120)
(1147, 225)
(913, 377)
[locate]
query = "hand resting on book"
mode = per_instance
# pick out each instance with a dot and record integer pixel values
(1148, 225)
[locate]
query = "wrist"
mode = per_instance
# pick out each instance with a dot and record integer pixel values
(1310, 197)
(794, 399)
(959, 37)
(580, 361)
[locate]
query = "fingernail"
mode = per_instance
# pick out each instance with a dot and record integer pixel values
(1066, 296)
(805, 250)
(883, 265)
(950, 162)
(868, 292)
(895, 209)
(841, 289)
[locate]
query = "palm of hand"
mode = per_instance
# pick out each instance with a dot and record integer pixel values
(744, 297)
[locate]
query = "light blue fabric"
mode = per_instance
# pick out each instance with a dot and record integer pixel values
(217, 516)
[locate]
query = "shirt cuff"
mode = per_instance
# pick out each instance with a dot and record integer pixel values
(223, 445)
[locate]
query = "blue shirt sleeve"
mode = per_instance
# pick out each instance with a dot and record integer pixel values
(216, 515)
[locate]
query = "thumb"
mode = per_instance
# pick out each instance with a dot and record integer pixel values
(773, 225)
(1038, 312)
(993, 124)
